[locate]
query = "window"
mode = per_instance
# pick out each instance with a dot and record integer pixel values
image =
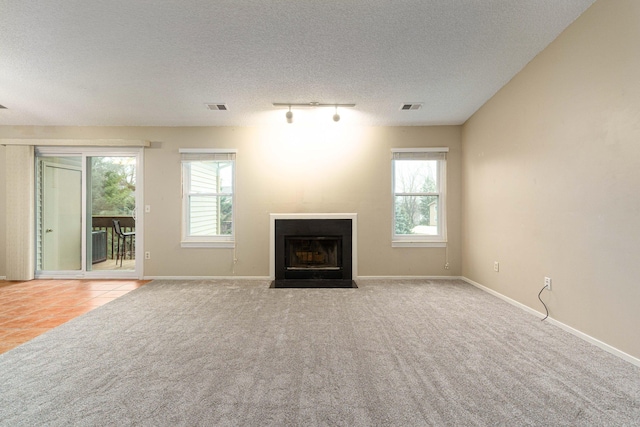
(208, 182)
(419, 207)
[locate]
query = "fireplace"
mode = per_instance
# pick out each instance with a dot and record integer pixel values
(312, 252)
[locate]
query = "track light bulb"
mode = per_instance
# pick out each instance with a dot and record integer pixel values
(289, 116)
(336, 116)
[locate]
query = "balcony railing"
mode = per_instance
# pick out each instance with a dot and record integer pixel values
(104, 241)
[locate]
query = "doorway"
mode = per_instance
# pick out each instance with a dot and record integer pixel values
(80, 192)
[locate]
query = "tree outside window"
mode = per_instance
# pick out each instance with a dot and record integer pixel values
(113, 186)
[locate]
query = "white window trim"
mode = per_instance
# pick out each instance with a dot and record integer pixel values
(193, 243)
(208, 151)
(223, 242)
(417, 240)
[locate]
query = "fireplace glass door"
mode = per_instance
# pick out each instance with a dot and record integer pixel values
(313, 253)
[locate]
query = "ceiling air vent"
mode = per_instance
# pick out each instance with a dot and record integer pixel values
(217, 106)
(411, 106)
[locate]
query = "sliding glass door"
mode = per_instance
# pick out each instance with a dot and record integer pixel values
(86, 221)
(111, 211)
(59, 213)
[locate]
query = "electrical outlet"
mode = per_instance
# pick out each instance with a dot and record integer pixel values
(496, 266)
(547, 283)
(147, 255)
(446, 266)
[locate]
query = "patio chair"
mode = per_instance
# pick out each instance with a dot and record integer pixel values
(122, 236)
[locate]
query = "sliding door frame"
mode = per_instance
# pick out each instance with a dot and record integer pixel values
(84, 153)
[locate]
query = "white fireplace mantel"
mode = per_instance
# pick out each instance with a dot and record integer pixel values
(272, 235)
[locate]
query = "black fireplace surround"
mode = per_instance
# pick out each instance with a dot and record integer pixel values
(313, 253)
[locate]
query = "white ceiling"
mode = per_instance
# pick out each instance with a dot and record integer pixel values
(158, 62)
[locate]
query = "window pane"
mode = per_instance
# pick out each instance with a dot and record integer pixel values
(210, 215)
(113, 185)
(211, 177)
(226, 215)
(202, 177)
(416, 176)
(417, 215)
(225, 172)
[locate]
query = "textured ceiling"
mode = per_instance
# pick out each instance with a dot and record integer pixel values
(158, 62)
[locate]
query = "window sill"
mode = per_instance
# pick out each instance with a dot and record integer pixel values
(418, 244)
(219, 244)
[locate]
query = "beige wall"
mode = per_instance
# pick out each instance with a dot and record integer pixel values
(281, 170)
(551, 178)
(3, 211)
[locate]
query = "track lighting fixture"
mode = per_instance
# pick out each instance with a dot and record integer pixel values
(289, 114)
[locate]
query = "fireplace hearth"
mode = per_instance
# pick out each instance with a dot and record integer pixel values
(313, 253)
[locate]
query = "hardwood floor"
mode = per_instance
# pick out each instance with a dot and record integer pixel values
(28, 309)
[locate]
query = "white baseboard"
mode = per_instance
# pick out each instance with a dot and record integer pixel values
(408, 278)
(3, 277)
(504, 298)
(206, 277)
(604, 346)
(268, 278)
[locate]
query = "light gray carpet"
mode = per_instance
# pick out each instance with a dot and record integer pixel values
(401, 353)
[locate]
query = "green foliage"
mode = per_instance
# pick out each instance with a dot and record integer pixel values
(404, 221)
(113, 186)
(226, 215)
